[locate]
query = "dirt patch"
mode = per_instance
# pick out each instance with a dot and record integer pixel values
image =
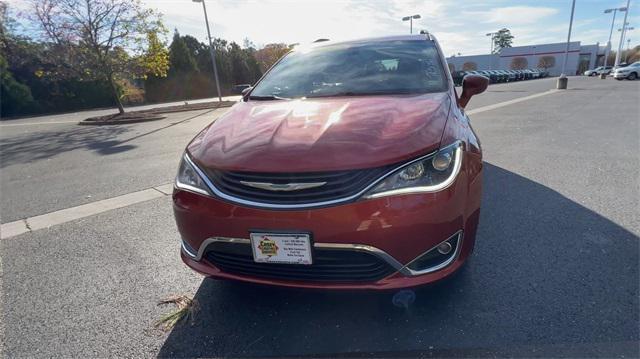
(152, 114)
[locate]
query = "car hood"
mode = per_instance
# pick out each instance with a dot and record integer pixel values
(322, 134)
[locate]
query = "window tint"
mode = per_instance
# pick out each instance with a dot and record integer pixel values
(389, 67)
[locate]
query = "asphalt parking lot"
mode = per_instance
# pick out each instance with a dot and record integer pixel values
(555, 271)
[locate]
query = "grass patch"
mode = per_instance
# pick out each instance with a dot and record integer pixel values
(185, 311)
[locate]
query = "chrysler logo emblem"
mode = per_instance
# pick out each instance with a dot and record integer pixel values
(284, 186)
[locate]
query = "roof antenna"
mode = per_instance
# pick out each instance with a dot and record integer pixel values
(321, 40)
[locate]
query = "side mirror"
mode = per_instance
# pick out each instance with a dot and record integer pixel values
(245, 92)
(472, 85)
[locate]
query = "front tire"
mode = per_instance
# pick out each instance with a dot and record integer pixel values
(632, 76)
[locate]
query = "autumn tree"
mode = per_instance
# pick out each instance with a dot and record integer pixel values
(519, 63)
(502, 39)
(546, 62)
(469, 66)
(110, 40)
(268, 55)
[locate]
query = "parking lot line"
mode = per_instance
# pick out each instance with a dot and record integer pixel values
(12, 229)
(15, 228)
(510, 102)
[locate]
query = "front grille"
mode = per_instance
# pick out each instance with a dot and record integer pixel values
(339, 184)
(329, 265)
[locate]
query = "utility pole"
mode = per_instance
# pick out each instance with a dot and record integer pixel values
(212, 50)
(624, 26)
(563, 80)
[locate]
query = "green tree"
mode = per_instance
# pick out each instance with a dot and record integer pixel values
(101, 39)
(181, 57)
(501, 40)
(269, 54)
(15, 96)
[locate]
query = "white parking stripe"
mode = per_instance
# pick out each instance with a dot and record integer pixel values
(165, 188)
(510, 102)
(12, 229)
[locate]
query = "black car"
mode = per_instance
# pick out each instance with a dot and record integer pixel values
(458, 76)
(492, 77)
(237, 89)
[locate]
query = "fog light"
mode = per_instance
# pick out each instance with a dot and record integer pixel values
(444, 248)
(437, 257)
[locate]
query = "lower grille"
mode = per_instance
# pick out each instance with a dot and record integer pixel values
(329, 265)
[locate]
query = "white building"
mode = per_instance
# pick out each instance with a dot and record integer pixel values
(549, 56)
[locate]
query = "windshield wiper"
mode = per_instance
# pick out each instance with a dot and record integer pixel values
(267, 98)
(373, 93)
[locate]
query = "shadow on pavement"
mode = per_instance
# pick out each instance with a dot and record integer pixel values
(103, 140)
(546, 273)
(34, 146)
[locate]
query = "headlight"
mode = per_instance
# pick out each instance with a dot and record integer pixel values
(429, 174)
(190, 178)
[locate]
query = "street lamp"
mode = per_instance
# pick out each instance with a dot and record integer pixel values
(410, 19)
(624, 25)
(213, 55)
(563, 80)
(606, 54)
(625, 29)
(493, 36)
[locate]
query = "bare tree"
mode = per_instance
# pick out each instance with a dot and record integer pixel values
(469, 66)
(546, 62)
(519, 63)
(110, 40)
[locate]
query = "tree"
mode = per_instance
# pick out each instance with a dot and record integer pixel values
(270, 53)
(502, 39)
(519, 63)
(181, 57)
(469, 66)
(451, 66)
(546, 62)
(102, 39)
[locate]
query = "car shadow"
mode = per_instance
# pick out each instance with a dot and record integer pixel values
(546, 271)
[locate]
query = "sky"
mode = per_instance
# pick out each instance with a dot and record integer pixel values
(459, 25)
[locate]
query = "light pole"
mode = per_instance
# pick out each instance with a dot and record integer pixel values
(563, 80)
(492, 34)
(606, 54)
(626, 58)
(410, 19)
(213, 54)
(624, 25)
(625, 28)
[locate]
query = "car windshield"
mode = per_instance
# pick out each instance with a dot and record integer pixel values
(389, 67)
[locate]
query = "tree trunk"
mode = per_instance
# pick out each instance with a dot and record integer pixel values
(115, 94)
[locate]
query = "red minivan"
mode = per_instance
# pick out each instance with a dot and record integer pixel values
(349, 165)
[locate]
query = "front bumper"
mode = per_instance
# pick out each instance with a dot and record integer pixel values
(619, 75)
(397, 228)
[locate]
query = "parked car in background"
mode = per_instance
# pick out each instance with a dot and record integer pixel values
(458, 76)
(263, 196)
(511, 74)
(599, 70)
(237, 89)
(631, 72)
(493, 78)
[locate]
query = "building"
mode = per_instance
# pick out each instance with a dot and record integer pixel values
(548, 56)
